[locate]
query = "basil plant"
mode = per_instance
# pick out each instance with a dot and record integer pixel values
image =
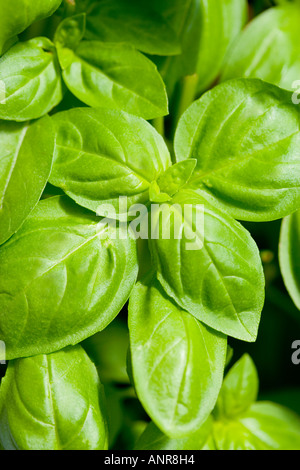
(149, 151)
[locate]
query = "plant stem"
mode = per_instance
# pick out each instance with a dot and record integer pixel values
(187, 94)
(159, 125)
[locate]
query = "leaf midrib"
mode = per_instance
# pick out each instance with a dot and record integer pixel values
(234, 162)
(106, 157)
(119, 84)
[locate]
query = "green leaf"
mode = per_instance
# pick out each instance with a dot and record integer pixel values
(132, 22)
(221, 22)
(275, 426)
(268, 48)
(153, 439)
(17, 15)
(53, 402)
(102, 155)
(70, 31)
(31, 80)
(265, 426)
(239, 389)
(206, 30)
(177, 362)
(115, 76)
(25, 165)
(63, 277)
(289, 255)
(242, 424)
(245, 136)
(209, 264)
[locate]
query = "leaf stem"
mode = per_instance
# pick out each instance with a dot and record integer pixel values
(159, 125)
(187, 94)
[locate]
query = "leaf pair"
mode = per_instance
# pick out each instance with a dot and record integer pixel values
(238, 422)
(241, 128)
(113, 75)
(254, 132)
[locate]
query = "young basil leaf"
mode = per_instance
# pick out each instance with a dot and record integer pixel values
(70, 31)
(239, 389)
(177, 362)
(206, 30)
(103, 154)
(241, 424)
(176, 176)
(171, 181)
(265, 426)
(153, 439)
(268, 48)
(156, 195)
(209, 264)
(63, 277)
(32, 81)
(289, 255)
(245, 135)
(53, 402)
(132, 22)
(115, 76)
(17, 15)
(25, 165)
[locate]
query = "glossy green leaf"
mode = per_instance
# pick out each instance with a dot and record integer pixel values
(171, 181)
(153, 439)
(265, 426)
(220, 23)
(31, 78)
(177, 362)
(132, 22)
(63, 277)
(17, 15)
(206, 29)
(115, 76)
(25, 163)
(268, 48)
(245, 135)
(102, 155)
(239, 389)
(289, 255)
(209, 264)
(53, 402)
